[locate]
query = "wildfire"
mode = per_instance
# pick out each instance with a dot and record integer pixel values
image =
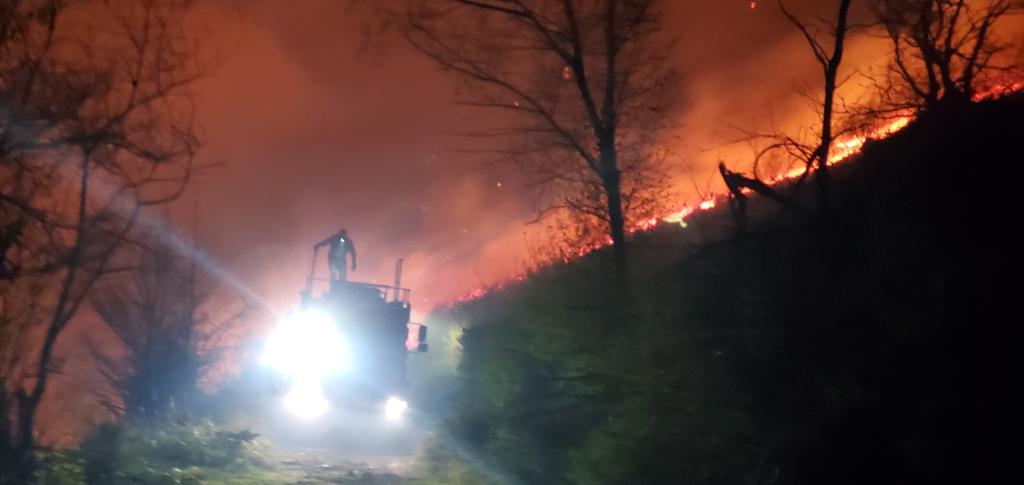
(843, 149)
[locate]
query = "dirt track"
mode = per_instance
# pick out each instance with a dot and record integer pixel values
(314, 469)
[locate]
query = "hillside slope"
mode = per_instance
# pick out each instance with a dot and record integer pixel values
(870, 345)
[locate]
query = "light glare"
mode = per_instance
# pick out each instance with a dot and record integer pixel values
(306, 345)
(395, 408)
(306, 399)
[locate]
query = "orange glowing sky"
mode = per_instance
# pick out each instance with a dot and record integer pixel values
(321, 128)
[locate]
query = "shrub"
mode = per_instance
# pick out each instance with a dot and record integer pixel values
(178, 452)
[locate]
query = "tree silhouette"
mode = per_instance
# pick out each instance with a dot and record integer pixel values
(830, 64)
(585, 84)
(169, 323)
(96, 124)
(943, 50)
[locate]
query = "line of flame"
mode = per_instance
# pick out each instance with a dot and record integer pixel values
(843, 149)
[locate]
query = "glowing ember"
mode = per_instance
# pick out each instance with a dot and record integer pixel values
(679, 217)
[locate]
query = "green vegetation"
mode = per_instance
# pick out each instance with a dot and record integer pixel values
(442, 464)
(859, 346)
(865, 345)
(169, 453)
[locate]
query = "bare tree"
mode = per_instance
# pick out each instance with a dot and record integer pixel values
(781, 149)
(646, 190)
(585, 83)
(95, 125)
(170, 325)
(830, 63)
(943, 49)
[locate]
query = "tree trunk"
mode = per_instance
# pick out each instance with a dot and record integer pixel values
(25, 438)
(954, 97)
(821, 174)
(28, 402)
(831, 83)
(616, 219)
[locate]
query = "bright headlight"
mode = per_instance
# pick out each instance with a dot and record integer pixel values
(306, 399)
(307, 345)
(395, 408)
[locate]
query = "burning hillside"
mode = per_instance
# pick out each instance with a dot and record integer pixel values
(844, 149)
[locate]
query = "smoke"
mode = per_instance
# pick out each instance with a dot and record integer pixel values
(322, 126)
(316, 135)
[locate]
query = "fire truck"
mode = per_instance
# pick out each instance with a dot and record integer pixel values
(346, 346)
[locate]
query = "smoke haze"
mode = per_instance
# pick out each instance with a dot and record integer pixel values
(322, 127)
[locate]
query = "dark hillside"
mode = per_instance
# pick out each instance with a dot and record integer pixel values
(869, 345)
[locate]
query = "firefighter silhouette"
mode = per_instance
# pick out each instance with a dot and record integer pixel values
(339, 247)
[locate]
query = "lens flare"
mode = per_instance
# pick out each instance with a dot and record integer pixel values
(306, 399)
(306, 348)
(308, 344)
(394, 408)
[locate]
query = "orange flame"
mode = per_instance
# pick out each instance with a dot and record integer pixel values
(842, 150)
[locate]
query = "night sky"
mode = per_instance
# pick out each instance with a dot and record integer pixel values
(321, 125)
(317, 120)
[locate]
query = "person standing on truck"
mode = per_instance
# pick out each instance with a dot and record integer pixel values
(340, 246)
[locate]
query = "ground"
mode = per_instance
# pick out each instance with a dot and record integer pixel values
(317, 468)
